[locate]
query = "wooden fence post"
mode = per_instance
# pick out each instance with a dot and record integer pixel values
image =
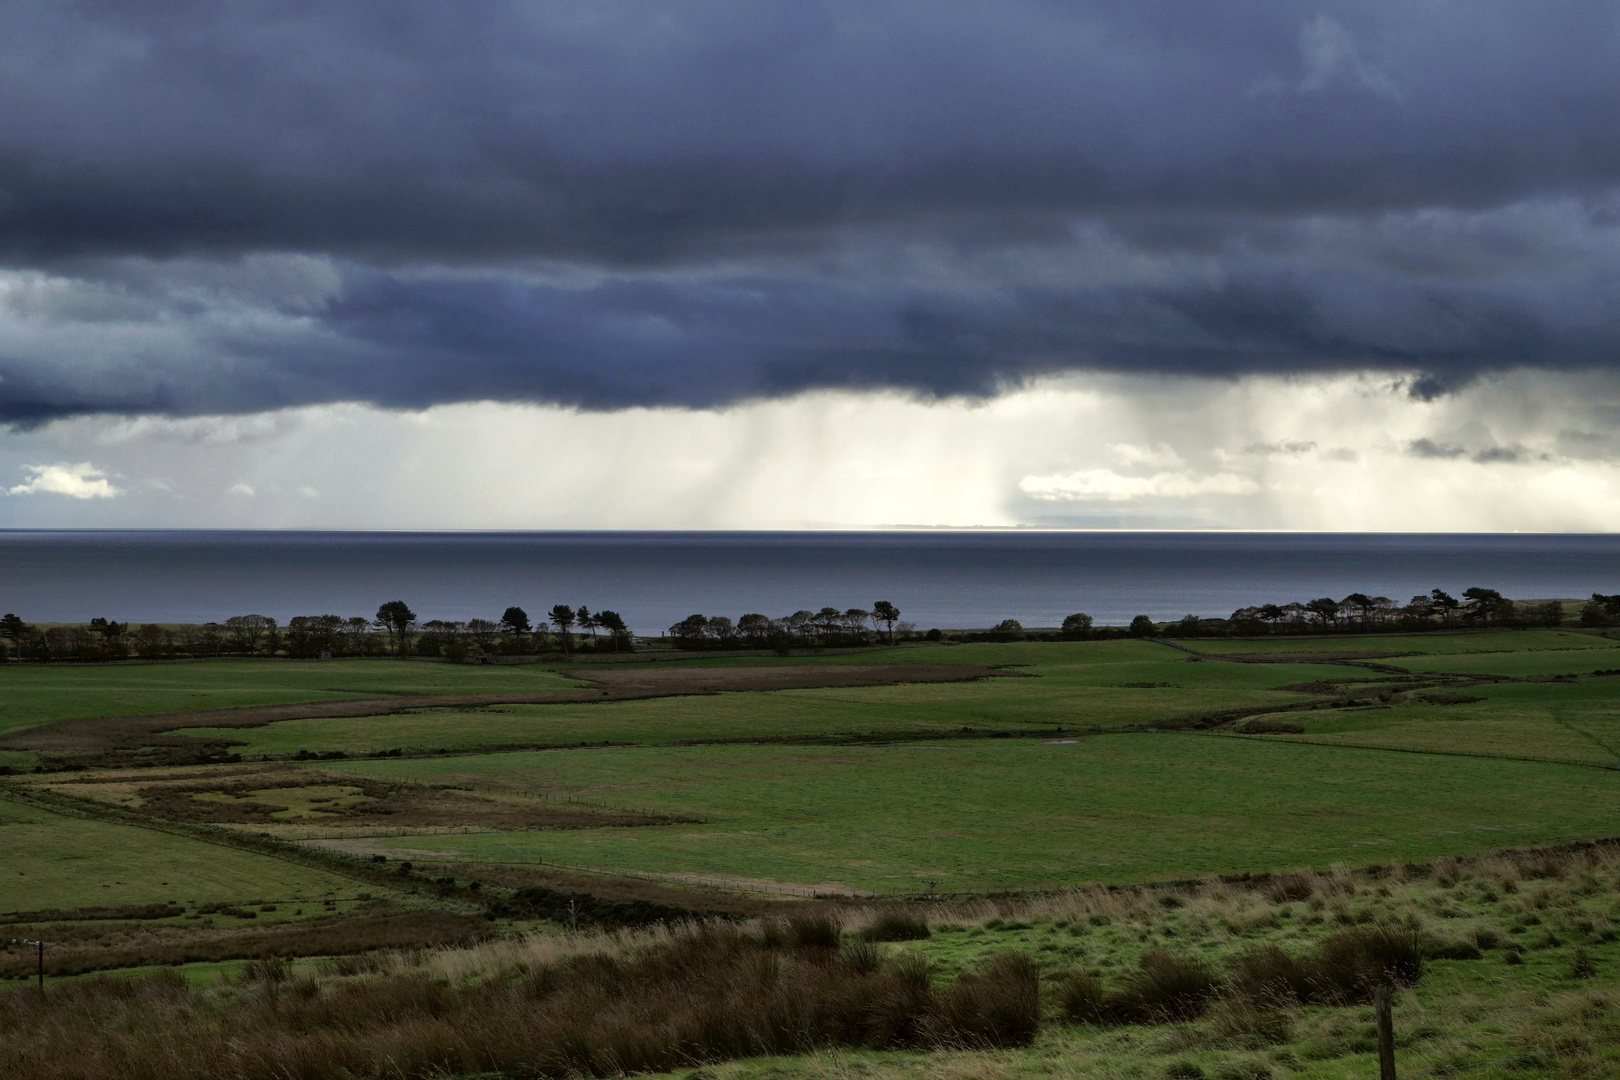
(1386, 1033)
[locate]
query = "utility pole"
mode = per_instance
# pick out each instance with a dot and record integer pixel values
(573, 915)
(40, 946)
(931, 886)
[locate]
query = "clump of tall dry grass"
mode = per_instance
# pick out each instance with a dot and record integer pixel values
(697, 994)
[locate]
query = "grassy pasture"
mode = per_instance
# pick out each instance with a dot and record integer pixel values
(38, 695)
(58, 861)
(1422, 644)
(989, 814)
(1577, 722)
(1516, 664)
(1072, 684)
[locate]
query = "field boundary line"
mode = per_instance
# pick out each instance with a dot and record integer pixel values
(1289, 740)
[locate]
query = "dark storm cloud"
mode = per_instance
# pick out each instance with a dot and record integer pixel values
(1428, 448)
(611, 204)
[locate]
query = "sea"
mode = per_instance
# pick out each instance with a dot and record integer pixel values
(952, 579)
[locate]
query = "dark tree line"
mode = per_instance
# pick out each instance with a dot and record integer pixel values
(393, 631)
(565, 629)
(396, 631)
(803, 629)
(1477, 607)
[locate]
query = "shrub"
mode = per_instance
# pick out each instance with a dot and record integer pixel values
(1292, 888)
(999, 1005)
(1441, 949)
(1080, 997)
(1270, 976)
(1165, 987)
(710, 994)
(1350, 964)
(897, 927)
(863, 957)
(815, 932)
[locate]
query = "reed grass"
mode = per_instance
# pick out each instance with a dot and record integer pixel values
(608, 1005)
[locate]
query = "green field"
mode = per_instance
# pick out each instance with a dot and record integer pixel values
(60, 861)
(1074, 685)
(1577, 722)
(991, 814)
(878, 788)
(1424, 644)
(1113, 762)
(39, 695)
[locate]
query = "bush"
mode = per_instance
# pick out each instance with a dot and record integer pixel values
(1080, 997)
(1007, 630)
(999, 1005)
(862, 956)
(710, 994)
(1165, 987)
(896, 927)
(1350, 965)
(1269, 976)
(1292, 888)
(815, 932)
(1441, 949)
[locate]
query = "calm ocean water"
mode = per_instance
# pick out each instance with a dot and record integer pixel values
(945, 579)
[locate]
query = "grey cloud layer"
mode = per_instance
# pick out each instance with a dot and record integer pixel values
(227, 207)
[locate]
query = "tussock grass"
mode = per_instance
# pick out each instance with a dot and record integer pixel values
(604, 1006)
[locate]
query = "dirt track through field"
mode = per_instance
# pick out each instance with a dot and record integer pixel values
(94, 735)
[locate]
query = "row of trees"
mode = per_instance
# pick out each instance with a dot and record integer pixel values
(1478, 606)
(393, 631)
(1601, 610)
(564, 628)
(108, 639)
(809, 629)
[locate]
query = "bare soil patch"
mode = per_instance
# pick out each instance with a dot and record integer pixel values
(151, 740)
(87, 946)
(1259, 726)
(287, 794)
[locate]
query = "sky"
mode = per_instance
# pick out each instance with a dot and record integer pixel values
(1146, 264)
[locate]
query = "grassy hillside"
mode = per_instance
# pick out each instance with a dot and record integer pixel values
(35, 695)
